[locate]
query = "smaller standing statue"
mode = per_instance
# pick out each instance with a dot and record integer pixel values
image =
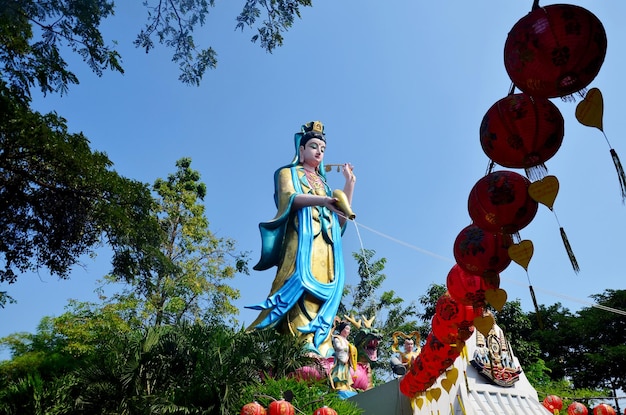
(363, 350)
(401, 360)
(304, 242)
(366, 342)
(345, 361)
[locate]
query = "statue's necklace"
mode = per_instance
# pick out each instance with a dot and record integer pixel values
(314, 180)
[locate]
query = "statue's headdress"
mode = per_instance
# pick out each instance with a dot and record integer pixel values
(313, 129)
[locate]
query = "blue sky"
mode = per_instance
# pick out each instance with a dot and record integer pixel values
(402, 90)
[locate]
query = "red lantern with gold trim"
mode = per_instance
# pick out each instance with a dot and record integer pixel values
(253, 408)
(325, 410)
(499, 202)
(522, 132)
(480, 252)
(603, 409)
(554, 402)
(281, 407)
(555, 51)
(577, 408)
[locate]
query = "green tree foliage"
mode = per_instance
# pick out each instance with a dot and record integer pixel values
(193, 284)
(59, 199)
(39, 377)
(554, 336)
(280, 15)
(185, 368)
(35, 34)
(365, 300)
(598, 358)
(428, 301)
(390, 311)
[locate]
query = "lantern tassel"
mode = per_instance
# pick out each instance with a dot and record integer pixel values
(620, 174)
(537, 172)
(532, 295)
(570, 252)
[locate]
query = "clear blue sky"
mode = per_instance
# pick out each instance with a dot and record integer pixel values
(402, 88)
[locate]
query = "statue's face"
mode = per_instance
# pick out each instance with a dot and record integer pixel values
(408, 346)
(312, 153)
(346, 331)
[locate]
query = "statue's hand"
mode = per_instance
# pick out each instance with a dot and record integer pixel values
(348, 172)
(331, 204)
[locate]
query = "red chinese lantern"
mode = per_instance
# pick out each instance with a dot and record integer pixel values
(466, 288)
(499, 202)
(554, 402)
(281, 407)
(603, 409)
(437, 354)
(522, 132)
(451, 311)
(480, 252)
(555, 51)
(325, 410)
(410, 387)
(577, 408)
(445, 332)
(421, 376)
(253, 408)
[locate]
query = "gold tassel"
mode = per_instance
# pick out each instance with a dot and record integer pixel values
(620, 174)
(570, 253)
(532, 295)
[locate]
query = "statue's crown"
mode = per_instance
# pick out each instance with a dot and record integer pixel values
(313, 126)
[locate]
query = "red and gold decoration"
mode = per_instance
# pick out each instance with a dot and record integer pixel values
(577, 408)
(253, 408)
(553, 404)
(553, 51)
(589, 112)
(281, 407)
(482, 253)
(522, 132)
(325, 410)
(499, 202)
(493, 357)
(604, 409)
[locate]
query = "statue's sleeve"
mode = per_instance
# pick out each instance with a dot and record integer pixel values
(273, 232)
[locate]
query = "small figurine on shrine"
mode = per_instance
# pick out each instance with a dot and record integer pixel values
(402, 358)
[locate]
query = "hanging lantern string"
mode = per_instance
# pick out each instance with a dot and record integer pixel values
(490, 167)
(446, 259)
(573, 299)
(512, 89)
